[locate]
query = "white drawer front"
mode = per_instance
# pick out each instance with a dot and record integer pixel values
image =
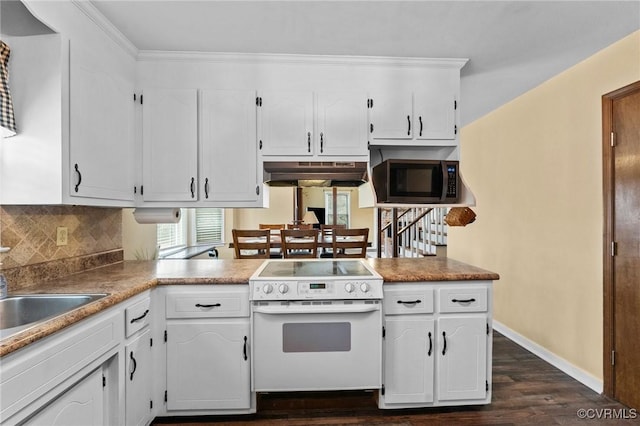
(468, 299)
(403, 302)
(137, 316)
(208, 304)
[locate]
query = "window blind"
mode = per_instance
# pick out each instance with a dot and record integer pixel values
(209, 225)
(171, 234)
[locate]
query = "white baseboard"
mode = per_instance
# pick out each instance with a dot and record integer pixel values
(541, 352)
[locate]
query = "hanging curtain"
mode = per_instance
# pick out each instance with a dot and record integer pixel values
(7, 121)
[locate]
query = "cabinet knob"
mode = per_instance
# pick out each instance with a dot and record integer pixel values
(192, 187)
(206, 188)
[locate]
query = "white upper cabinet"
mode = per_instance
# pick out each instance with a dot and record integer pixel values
(308, 124)
(228, 146)
(75, 114)
(341, 125)
(286, 126)
(424, 117)
(391, 115)
(101, 141)
(169, 145)
(435, 114)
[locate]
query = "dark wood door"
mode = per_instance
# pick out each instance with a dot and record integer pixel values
(625, 226)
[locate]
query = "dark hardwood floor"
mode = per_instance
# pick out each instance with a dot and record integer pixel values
(526, 391)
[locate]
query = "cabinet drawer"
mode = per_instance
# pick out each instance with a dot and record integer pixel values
(463, 299)
(137, 316)
(402, 302)
(208, 304)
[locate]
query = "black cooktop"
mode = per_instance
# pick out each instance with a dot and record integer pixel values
(314, 268)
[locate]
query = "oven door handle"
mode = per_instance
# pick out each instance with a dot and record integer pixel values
(347, 309)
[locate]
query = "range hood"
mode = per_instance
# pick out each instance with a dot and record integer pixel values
(315, 173)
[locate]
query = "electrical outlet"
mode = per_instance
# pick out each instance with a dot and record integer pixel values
(62, 236)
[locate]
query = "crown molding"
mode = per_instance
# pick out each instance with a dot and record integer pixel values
(271, 58)
(106, 26)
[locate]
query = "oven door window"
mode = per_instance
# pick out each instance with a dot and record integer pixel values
(316, 337)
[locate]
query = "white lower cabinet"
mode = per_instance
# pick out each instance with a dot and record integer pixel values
(207, 365)
(437, 346)
(68, 378)
(409, 359)
(462, 358)
(81, 405)
(138, 370)
(137, 373)
(207, 350)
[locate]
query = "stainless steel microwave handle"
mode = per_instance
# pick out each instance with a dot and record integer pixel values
(321, 309)
(445, 181)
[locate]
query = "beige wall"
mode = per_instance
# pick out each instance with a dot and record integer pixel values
(535, 168)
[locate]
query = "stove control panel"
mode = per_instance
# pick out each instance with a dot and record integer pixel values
(333, 289)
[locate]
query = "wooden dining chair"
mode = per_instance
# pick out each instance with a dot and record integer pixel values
(299, 226)
(274, 228)
(326, 234)
(350, 242)
(299, 243)
(251, 243)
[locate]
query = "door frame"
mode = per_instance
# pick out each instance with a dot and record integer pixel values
(607, 241)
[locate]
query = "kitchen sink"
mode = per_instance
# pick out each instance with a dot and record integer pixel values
(23, 311)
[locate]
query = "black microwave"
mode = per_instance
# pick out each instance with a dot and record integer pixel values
(416, 181)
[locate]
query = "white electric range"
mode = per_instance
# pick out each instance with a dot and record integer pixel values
(316, 325)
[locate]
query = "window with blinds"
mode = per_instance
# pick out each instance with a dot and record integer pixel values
(196, 226)
(171, 235)
(209, 225)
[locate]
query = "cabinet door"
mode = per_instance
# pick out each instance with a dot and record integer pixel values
(82, 405)
(169, 145)
(138, 380)
(101, 137)
(228, 155)
(208, 365)
(409, 359)
(435, 114)
(341, 123)
(286, 124)
(462, 357)
(391, 115)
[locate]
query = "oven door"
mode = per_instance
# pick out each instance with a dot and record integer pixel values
(319, 345)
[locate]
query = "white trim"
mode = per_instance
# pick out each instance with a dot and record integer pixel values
(562, 364)
(106, 26)
(266, 58)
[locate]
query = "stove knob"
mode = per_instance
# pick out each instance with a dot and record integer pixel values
(283, 288)
(349, 287)
(364, 287)
(268, 288)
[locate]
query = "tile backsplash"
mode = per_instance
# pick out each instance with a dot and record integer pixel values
(30, 232)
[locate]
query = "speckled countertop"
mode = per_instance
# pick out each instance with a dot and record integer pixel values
(126, 279)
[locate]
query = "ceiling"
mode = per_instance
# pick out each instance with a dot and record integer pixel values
(512, 46)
